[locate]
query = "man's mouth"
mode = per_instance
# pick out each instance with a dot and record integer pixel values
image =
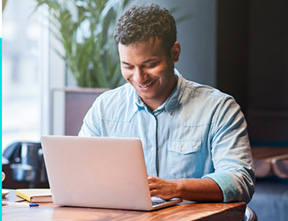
(145, 86)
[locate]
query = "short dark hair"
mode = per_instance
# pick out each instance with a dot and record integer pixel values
(141, 23)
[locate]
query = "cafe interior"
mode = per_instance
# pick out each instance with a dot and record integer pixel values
(237, 46)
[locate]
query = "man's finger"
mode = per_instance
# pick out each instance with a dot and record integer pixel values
(152, 186)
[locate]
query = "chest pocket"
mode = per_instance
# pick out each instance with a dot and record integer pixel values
(184, 158)
(183, 147)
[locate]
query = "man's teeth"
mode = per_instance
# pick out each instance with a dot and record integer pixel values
(146, 85)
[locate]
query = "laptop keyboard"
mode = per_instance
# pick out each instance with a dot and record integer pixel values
(156, 201)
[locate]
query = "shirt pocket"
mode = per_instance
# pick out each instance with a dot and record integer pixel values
(184, 147)
(184, 158)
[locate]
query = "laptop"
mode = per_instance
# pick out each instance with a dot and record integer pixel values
(99, 172)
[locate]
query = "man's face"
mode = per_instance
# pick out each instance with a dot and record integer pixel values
(148, 68)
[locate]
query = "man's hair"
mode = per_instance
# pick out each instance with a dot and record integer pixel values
(141, 23)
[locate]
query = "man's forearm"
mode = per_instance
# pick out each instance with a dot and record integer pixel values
(204, 189)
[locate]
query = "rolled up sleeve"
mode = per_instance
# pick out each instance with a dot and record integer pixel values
(231, 154)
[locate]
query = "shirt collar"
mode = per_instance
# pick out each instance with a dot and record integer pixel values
(172, 101)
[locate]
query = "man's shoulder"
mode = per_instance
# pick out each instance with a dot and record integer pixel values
(118, 96)
(203, 91)
(124, 89)
(116, 104)
(206, 103)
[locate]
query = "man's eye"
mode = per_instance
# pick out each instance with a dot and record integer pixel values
(151, 65)
(128, 67)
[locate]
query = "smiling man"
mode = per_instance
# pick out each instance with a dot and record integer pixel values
(150, 70)
(194, 137)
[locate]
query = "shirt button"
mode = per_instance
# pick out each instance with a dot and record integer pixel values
(152, 148)
(183, 148)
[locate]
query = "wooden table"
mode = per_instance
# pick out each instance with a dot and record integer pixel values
(184, 211)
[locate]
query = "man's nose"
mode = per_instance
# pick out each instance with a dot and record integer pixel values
(138, 75)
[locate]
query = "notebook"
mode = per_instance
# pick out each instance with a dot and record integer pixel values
(99, 172)
(35, 195)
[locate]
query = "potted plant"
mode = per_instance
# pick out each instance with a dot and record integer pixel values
(85, 29)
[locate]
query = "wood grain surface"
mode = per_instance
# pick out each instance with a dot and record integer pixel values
(184, 211)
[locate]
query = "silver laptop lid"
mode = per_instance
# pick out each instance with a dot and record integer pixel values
(97, 172)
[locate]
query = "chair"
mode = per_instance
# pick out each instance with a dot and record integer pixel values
(250, 215)
(77, 102)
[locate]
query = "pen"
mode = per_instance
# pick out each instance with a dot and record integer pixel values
(7, 203)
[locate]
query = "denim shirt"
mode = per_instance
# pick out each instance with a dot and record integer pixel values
(198, 132)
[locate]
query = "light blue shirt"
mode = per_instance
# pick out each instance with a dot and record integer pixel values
(198, 132)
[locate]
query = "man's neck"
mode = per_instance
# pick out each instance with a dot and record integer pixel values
(153, 104)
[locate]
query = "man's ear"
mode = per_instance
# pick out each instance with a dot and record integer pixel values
(175, 51)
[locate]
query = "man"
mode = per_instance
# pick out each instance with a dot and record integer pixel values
(194, 137)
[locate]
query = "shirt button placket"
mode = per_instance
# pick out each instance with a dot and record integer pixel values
(153, 148)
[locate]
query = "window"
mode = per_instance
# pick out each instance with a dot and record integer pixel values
(22, 47)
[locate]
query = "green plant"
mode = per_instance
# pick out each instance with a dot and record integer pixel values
(3, 4)
(85, 29)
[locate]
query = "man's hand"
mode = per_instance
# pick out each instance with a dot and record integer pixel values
(162, 188)
(201, 190)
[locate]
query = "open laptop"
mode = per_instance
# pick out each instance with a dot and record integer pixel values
(99, 172)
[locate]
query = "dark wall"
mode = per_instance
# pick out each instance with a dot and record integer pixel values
(232, 49)
(252, 64)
